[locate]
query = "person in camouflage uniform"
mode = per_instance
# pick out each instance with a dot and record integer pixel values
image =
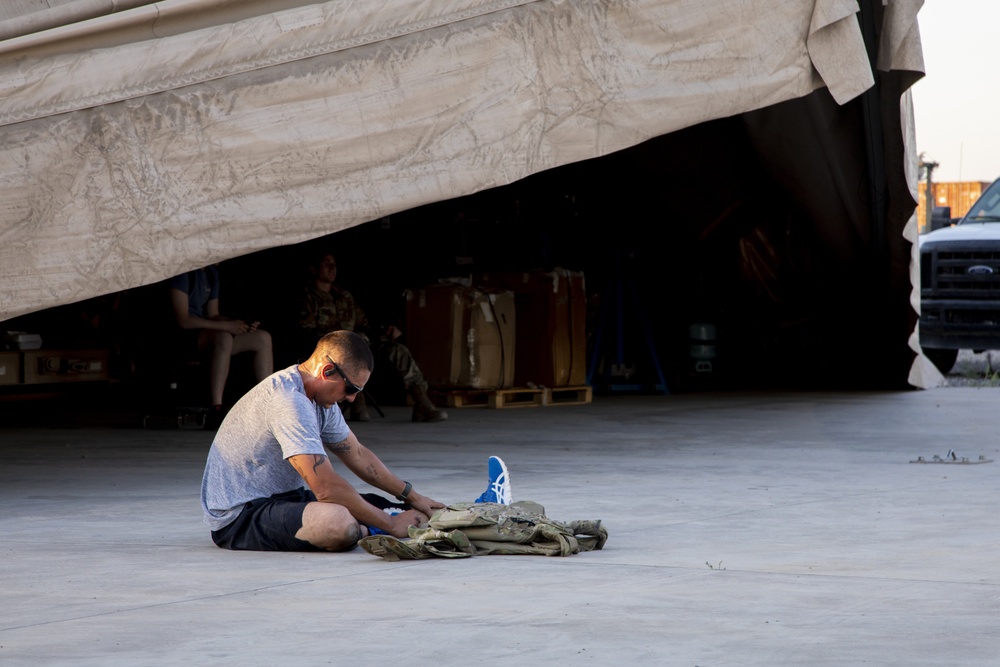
(326, 307)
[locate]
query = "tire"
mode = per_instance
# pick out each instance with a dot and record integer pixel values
(943, 359)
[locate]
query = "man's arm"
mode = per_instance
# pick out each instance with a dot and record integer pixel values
(363, 463)
(185, 320)
(329, 487)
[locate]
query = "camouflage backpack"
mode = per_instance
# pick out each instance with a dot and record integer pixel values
(479, 529)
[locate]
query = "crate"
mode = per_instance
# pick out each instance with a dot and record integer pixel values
(462, 336)
(52, 366)
(10, 368)
(551, 340)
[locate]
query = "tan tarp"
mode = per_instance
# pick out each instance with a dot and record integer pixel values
(127, 162)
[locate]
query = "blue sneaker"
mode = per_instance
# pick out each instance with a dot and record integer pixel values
(498, 490)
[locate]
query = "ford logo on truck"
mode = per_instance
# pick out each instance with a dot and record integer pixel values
(979, 270)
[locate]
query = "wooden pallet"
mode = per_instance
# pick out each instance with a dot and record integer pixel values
(578, 395)
(516, 397)
(519, 397)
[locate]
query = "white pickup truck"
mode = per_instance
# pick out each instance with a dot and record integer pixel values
(960, 283)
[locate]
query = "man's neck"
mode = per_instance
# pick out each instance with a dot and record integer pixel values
(308, 382)
(323, 286)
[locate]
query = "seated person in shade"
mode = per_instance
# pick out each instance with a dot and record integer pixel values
(269, 482)
(194, 297)
(325, 307)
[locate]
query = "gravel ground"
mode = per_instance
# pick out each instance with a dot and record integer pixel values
(976, 370)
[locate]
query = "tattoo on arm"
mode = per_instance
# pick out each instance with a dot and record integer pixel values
(300, 465)
(372, 472)
(338, 447)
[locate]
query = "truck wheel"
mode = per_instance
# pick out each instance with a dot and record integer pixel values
(943, 359)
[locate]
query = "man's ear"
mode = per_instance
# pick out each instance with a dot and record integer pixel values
(327, 372)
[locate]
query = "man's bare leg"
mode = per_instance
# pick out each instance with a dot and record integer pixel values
(258, 342)
(329, 526)
(221, 346)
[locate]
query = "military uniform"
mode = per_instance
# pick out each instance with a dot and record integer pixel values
(323, 312)
(478, 529)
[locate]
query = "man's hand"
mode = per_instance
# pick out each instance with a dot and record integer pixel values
(423, 504)
(238, 327)
(401, 523)
(234, 327)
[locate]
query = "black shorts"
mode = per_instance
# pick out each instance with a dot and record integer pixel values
(270, 524)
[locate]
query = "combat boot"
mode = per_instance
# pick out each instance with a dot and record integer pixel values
(423, 409)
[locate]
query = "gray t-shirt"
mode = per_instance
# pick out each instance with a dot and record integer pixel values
(272, 422)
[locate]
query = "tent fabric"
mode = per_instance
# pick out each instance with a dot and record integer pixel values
(25, 17)
(88, 24)
(124, 165)
(923, 373)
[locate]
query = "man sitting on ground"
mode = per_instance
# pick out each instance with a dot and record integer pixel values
(269, 484)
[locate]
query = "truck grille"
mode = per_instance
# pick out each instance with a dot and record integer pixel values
(973, 274)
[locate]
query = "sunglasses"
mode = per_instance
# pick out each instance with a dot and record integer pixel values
(349, 387)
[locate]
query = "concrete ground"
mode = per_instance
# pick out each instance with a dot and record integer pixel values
(975, 369)
(745, 529)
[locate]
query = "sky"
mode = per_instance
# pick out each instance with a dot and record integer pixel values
(956, 106)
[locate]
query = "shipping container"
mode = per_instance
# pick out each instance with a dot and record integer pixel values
(958, 195)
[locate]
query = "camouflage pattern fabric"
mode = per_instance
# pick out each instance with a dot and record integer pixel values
(480, 529)
(398, 356)
(322, 312)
